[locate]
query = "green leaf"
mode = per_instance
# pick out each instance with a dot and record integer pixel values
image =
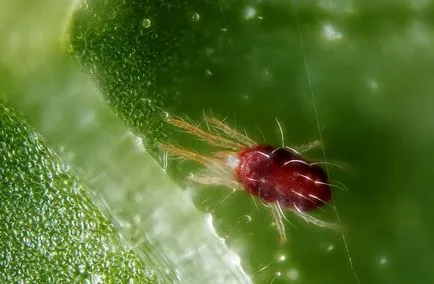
(153, 216)
(368, 97)
(339, 71)
(50, 230)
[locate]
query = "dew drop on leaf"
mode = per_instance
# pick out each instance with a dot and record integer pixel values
(146, 23)
(195, 17)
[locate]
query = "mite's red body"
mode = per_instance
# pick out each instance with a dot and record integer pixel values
(279, 175)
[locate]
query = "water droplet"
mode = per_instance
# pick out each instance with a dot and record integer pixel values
(292, 274)
(373, 84)
(281, 258)
(146, 23)
(195, 17)
(208, 73)
(267, 74)
(249, 13)
(330, 33)
(382, 261)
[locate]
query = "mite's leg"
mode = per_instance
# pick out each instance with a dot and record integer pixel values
(211, 139)
(312, 220)
(278, 220)
(186, 154)
(212, 180)
(214, 165)
(232, 133)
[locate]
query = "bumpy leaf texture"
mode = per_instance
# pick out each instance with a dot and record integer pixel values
(50, 229)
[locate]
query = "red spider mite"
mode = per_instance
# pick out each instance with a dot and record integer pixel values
(279, 176)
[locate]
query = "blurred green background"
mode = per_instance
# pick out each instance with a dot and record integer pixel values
(97, 78)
